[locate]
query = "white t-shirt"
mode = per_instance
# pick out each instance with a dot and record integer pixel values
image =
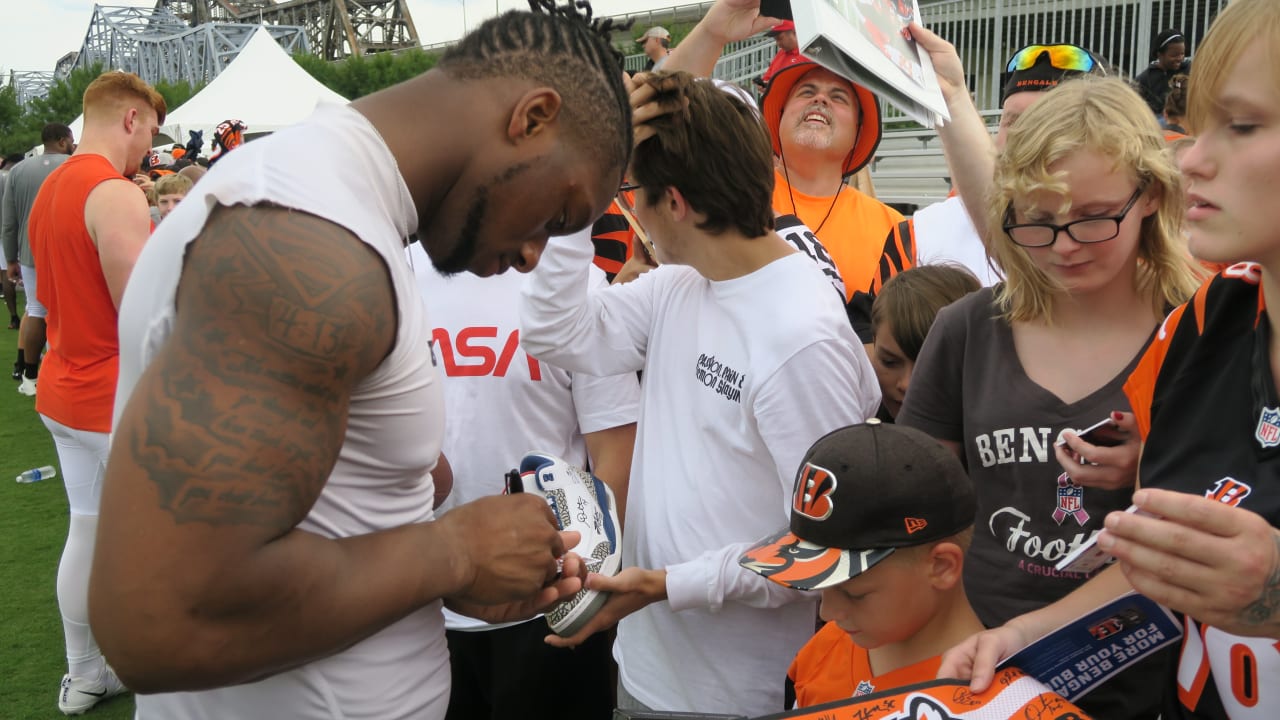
(500, 402)
(740, 377)
(395, 427)
(945, 234)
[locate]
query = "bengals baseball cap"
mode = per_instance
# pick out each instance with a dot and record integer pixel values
(778, 92)
(1037, 68)
(861, 493)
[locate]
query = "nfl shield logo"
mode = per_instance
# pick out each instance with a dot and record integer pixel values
(1070, 501)
(864, 688)
(1268, 432)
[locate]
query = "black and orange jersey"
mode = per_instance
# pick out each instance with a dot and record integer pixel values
(1011, 695)
(1207, 409)
(899, 254)
(831, 666)
(612, 238)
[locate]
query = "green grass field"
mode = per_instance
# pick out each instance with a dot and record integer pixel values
(33, 527)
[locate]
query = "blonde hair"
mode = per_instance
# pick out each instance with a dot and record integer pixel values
(1239, 25)
(1108, 117)
(173, 185)
(114, 91)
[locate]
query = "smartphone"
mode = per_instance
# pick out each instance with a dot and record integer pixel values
(780, 9)
(1103, 434)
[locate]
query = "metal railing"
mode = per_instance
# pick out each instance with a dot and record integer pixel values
(987, 32)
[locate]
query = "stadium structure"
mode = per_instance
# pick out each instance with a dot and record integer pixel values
(193, 40)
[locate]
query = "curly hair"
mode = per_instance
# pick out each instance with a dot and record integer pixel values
(1107, 116)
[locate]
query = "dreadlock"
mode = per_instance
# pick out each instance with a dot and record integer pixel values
(563, 47)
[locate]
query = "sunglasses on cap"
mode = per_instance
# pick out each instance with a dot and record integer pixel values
(1062, 57)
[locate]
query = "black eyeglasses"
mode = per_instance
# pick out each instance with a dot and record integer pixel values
(628, 187)
(1085, 230)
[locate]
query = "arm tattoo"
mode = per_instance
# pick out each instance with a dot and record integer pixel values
(244, 410)
(1263, 610)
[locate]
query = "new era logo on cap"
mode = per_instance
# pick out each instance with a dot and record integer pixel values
(915, 525)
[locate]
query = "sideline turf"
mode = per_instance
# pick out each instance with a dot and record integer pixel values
(33, 528)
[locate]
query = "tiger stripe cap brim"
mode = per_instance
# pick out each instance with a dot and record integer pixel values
(861, 492)
(795, 563)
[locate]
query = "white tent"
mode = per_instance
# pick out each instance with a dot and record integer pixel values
(263, 87)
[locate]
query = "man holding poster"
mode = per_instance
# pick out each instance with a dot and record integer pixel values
(824, 129)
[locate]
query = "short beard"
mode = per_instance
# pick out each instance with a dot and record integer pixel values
(467, 244)
(814, 138)
(464, 249)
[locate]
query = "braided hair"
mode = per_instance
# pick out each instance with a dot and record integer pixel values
(563, 47)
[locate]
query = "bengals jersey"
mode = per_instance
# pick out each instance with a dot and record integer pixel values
(1207, 409)
(832, 667)
(899, 254)
(1011, 695)
(612, 237)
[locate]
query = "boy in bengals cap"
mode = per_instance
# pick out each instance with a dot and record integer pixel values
(881, 516)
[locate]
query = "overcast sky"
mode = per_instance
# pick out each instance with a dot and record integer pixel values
(41, 31)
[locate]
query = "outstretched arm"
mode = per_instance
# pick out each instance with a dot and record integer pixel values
(1217, 563)
(968, 146)
(727, 21)
(201, 577)
(976, 658)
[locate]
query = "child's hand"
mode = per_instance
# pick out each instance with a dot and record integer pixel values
(976, 658)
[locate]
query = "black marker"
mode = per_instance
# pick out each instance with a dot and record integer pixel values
(514, 483)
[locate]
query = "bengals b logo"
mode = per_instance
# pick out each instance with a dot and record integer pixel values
(812, 497)
(1228, 491)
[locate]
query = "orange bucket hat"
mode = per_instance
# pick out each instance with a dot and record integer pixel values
(865, 141)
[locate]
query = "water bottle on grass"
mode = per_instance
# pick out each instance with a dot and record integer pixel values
(38, 474)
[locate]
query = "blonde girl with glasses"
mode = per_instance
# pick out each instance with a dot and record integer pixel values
(1082, 213)
(1205, 397)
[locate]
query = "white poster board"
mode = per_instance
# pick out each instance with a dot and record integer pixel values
(867, 41)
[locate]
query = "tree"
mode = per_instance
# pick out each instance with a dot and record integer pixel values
(15, 136)
(357, 76)
(20, 126)
(65, 99)
(177, 93)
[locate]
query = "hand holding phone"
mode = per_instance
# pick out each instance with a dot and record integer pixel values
(1104, 455)
(1103, 434)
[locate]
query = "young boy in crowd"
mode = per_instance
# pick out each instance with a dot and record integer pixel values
(901, 317)
(170, 190)
(881, 516)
